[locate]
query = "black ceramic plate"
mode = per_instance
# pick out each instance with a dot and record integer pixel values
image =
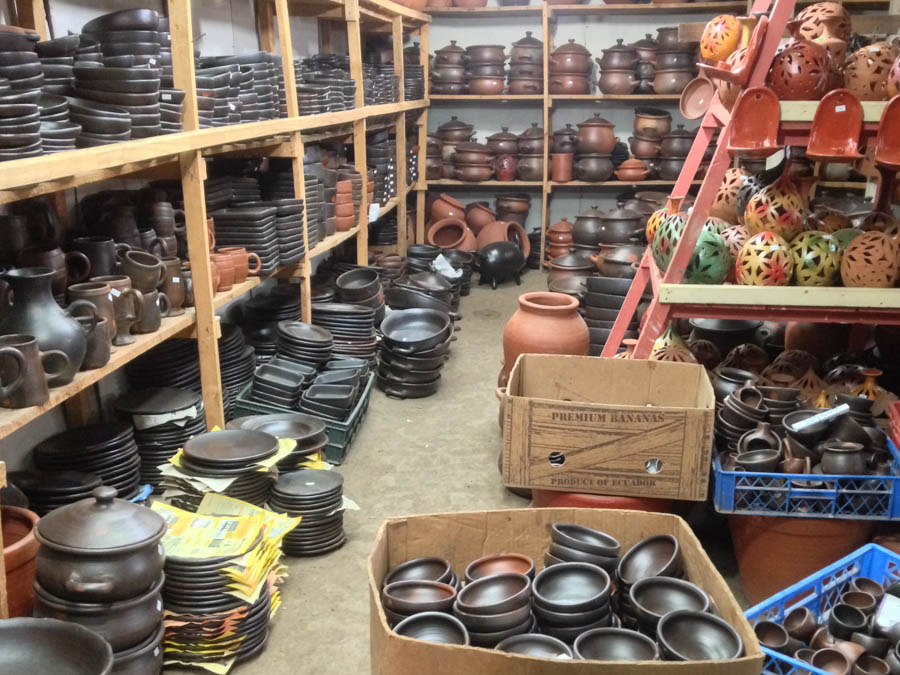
(308, 483)
(230, 448)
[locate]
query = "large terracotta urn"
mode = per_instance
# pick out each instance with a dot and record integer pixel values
(504, 230)
(545, 323)
(19, 550)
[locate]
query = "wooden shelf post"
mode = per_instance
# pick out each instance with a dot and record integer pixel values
(354, 44)
(421, 184)
(400, 136)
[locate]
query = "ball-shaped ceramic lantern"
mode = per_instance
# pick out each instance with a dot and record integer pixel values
(893, 84)
(817, 259)
(824, 18)
(666, 239)
(716, 225)
(846, 235)
(777, 208)
(720, 38)
(870, 261)
(765, 260)
(735, 237)
(710, 261)
(868, 70)
(801, 72)
(654, 221)
(724, 206)
(729, 92)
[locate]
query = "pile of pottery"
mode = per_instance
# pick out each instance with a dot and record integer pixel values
(352, 325)
(851, 632)
(91, 571)
(453, 132)
(309, 433)
(526, 66)
(173, 363)
(570, 69)
(380, 84)
(48, 490)
(414, 347)
(324, 84)
(603, 298)
(381, 155)
(317, 498)
(332, 397)
(362, 286)
(473, 162)
(642, 610)
(463, 261)
(163, 419)
(484, 69)
(620, 69)
(675, 63)
(448, 72)
(250, 94)
(612, 239)
(419, 257)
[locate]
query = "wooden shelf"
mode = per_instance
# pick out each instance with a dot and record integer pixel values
(617, 183)
(632, 98)
(484, 12)
(803, 111)
(13, 419)
(331, 242)
(650, 8)
(486, 183)
(475, 98)
(842, 184)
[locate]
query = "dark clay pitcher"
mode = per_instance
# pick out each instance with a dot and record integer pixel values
(101, 251)
(36, 367)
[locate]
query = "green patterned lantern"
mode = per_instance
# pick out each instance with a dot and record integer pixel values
(846, 235)
(711, 260)
(715, 225)
(817, 258)
(666, 239)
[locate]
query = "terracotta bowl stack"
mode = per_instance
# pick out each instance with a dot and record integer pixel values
(485, 69)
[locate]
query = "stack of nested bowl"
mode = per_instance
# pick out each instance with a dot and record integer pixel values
(617, 69)
(571, 598)
(513, 207)
(674, 148)
(362, 286)
(413, 350)
(653, 597)
(448, 73)
(602, 302)
(452, 132)
(739, 412)
(577, 543)
(403, 599)
(655, 556)
(505, 146)
(420, 256)
(526, 66)
(473, 162)
(433, 162)
(495, 607)
(594, 144)
(530, 145)
(675, 64)
(570, 69)
(485, 69)
(645, 68)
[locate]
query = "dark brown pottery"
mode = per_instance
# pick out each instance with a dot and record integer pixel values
(617, 82)
(37, 369)
(97, 352)
(620, 57)
(69, 268)
(155, 306)
(100, 296)
(595, 136)
(672, 80)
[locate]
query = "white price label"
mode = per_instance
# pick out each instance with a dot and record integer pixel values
(374, 209)
(115, 292)
(165, 97)
(176, 280)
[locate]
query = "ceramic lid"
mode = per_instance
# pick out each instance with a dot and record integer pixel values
(568, 131)
(504, 135)
(622, 214)
(680, 132)
(620, 46)
(632, 163)
(474, 147)
(572, 261)
(528, 41)
(596, 121)
(593, 212)
(101, 523)
(454, 123)
(532, 132)
(571, 47)
(452, 48)
(473, 47)
(646, 42)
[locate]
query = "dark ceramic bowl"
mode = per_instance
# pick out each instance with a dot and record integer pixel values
(431, 569)
(550, 559)
(571, 587)
(858, 404)
(492, 639)
(495, 594)
(46, 646)
(763, 461)
(537, 645)
(615, 644)
(59, 130)
(779, 394)
(434, 627)
(125, 19)
(608, 285)
(810, 435)
(849, 430)
(572, 619)
(574, 555)
(686, 635)
(413, 597)
(654, 597)
(493, 623)
(585, 539)
(656, 556)
(499, 564)
(569, 634)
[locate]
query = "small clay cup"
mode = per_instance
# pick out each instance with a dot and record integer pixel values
(98, 343)
(155, 306)
(25, 371)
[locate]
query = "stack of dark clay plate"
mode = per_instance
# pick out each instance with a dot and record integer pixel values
(383, 232)
(362, 286)
(304, 343)
(324, 84)
(21, 78)
(381, 156)
(48, 490)
(420, 256)
(602, 302)
(415, 344)
(163, 418)
(58, 132)
(57, 58)
(252, 227)
(195, 592)
(413, 82)
(262, 312)
(257, 93)
(309, 432)
(173, 363)
(462, 260)
(353, 328)
(380, 85)
(281, 382)
(232, 453)
(237, 359)
(317, 497)
(106, 450)
(289, 225)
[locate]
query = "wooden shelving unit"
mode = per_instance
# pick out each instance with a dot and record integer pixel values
(581, 184)
(182, 156)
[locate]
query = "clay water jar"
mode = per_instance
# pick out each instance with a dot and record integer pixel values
(447, 207)
(19, 550)
(544, 323)
(452, 233)
(561, 164)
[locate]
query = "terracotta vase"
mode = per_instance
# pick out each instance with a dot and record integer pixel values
(19, 550)
(807, 545)
(544, 323)
(504, 230)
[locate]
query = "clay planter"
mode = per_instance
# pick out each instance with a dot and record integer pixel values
(561, 167)
(672, 80)
(652, 122)
(617, 82)
(19, 550)
(562, 83)
(595, 168)
(595, 136)
(620, 57)
(452, 233)
(544, 323)
(501, 230)
(571, 58)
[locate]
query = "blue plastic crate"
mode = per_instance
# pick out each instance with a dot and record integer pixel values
(819, 592)
(772, 494)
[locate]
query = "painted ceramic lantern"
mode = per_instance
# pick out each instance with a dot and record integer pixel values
(711, 260)
(867, 71)
(777, 208)
(666, 239)
(724, 206)
(824, 18)
(716, 225)
(729, 92)
(801, 72)
(845, 236)
(765, 260)
(720, 38)
(654, 221)
(817, 259)
(735, 237)
(870, 261)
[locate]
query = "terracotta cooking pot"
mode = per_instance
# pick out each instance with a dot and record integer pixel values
(617, 82)
(486, 86)
(595, 136)
(524, 86)
(570, 58)
(447, 207)
(564, 83)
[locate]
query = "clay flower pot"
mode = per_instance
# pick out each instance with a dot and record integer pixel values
(19, 550)
(503, 230)
(452, 233)
(544, 323)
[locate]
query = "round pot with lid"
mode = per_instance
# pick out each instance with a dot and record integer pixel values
(682, 55)
(569, 265)
(525, 69)
(644, 146)
(565, 83)
(672, 80)
(593, 167)
(530, 167)
(570, 58)
(503, 142)
(677, 143)
(455, 129)
(486, 53)
(100, 549)
(632, 169)
(451, 55)
(528, 49)
(646, 48)
(486, 86)
(618, 261)
(652, 122)
(448, 74)
(587, 227)
(564, 139)
(473, 173)
(595, 136)
(620, 57)
(531, 141)
(620, 226)
(524, 86)
(617, 82)
(472, 153)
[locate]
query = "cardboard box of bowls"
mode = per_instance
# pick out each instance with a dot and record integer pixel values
(461, 538)
(633, 428)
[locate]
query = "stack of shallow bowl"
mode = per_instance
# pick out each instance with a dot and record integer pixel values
(362, 286)
(402, 599)
(304, 343)
(602, 302)
(571, 598)
(780, 401)
(237, 359)
(430, 569)
(462, 260)
(653, 597)
(739, 413)
(420, 256)
(353, 328)
(415, 343)
(577, 543)
(656, 556)
(495, 607)
(48, 490)
(57, 62)
(317, 497)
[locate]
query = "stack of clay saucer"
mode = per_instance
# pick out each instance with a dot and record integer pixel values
(261, 314)
(174, 363)
(57, 62)
(237, 359)
(317, 497)
(289, 225)
(309, 432)
(48, 490)
(352, 326)
(21, 78)
(304, 342)
(281, 382)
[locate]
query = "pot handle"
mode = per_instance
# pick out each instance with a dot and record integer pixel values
(531, 86)
(48, 357)
(78, 266)
(254, 256)
(76, 584)
(19, 379)
(121, 250)
(394, 393)
(137, 299)
(90, 309)
(165, 305)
